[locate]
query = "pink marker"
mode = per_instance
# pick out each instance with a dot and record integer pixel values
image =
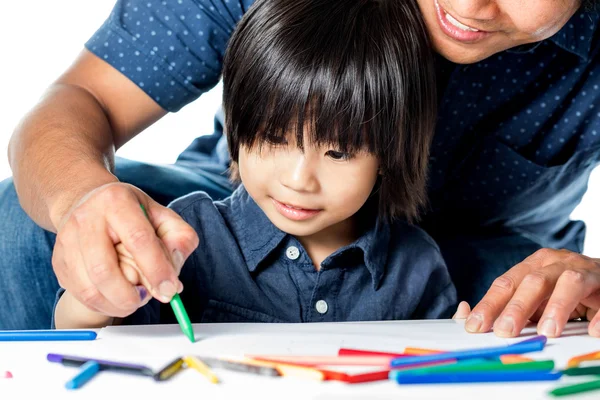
(7, 374)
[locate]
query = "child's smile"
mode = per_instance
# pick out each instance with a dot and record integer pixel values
(295, 212)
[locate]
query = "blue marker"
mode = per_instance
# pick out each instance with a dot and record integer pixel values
(42, 335)
(479, 377)
(86, 372)
(518, 348)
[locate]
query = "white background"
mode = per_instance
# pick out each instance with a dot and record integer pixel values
(40, 38)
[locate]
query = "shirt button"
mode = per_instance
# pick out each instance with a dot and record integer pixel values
(292, 252)
(321, 306)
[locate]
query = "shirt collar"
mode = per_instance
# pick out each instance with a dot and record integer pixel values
(258, 237)
(374, 245)
(255, 233)
(577, 36)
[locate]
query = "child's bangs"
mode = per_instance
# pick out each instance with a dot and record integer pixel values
(316, 106)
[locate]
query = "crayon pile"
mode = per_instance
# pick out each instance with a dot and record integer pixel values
(413, 366)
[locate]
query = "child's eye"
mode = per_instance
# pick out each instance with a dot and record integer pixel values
(338, 155)
(276, 140)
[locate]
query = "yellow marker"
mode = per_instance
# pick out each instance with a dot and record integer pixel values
(193, 362)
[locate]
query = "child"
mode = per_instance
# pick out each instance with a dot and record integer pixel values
(330, 110)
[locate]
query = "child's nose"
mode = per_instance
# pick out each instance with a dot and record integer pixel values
(299, 174)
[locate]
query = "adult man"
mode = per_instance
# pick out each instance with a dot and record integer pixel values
(515, 143)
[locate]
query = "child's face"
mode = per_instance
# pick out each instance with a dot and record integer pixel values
(306, 192)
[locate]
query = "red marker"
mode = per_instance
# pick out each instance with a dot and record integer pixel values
(7, 374)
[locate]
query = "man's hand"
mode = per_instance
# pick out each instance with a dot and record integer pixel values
(550, 287)
(85, 258)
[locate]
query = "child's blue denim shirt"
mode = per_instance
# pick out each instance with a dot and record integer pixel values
(247, 270)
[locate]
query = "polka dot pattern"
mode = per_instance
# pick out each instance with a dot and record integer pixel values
(173, 50)
(518, 134)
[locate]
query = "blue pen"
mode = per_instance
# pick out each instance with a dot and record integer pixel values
(479, 377)
(86, 372)
(518, 348)
(42, 335)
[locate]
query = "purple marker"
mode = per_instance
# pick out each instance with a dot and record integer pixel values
(539, 338)
(105, 365)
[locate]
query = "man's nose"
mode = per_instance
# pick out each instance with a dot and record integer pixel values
(477, 10)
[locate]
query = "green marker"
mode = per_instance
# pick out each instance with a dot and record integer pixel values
(576, 371)
(578, 388)
(478, 366)
(182, 316)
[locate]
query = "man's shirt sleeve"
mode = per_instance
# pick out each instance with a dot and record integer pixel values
(173, 50)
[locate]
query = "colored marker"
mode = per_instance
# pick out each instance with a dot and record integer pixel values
(479, 366)
(538, 338)
(105, 365)
(169, 370)
(240, 366)
(45, 335)
(6, 375)
(180, 313)
(573, 362)
(182, 317)
(198, 365)
(289, 371)
(311, 361)
(478, 377)
(86, 372)
(578, 371)
(578, 388)
(468, 354)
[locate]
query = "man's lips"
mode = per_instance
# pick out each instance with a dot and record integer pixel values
(457, 30)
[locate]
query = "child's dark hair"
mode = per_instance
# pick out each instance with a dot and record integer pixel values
(359, 72)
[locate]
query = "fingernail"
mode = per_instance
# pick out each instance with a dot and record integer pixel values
(142, 292)
(179, 287)
(548, 328)
(177, 260)
(596, 329)
(474, 323)
(167, 290)
(505, 326)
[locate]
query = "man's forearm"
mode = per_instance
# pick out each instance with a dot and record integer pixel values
(61, 150)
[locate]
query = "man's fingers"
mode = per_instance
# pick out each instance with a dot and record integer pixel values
(463, 310)
(594, 327)
(491, 305)
(177, 235)
(138, 235)
(572, 286)
(503, 288)
(534, 289)
(102, 267)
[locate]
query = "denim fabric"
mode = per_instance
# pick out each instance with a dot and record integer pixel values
(247, 270)
(517, 133)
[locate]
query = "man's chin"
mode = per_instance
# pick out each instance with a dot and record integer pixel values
(459, 55)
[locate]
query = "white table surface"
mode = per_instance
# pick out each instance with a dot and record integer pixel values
(155, 346)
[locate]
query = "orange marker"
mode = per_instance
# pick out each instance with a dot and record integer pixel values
(312, 361)
(575, 361)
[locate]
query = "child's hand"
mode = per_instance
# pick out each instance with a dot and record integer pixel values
(132, 272)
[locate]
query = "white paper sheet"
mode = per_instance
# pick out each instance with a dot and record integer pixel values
(157, 345)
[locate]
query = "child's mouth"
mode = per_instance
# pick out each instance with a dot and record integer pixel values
(294, 212)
